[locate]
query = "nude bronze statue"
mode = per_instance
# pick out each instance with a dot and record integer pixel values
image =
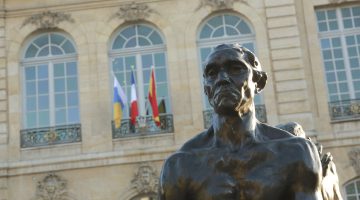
(238, 157)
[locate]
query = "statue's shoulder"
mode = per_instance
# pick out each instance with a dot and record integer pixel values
(200, 141)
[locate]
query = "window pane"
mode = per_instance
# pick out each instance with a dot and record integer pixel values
(215, 21)
(30, 88)
(59, 85)
(350, 40)
(350, 189)
(118, 43)
(42, 40)
(31, 51)
(218, 33)
(231, 31)
(131, 43)
(146, 76)
(30, 103)
(59, 100)
(71, 69)
(355, 74)
(56, 50)
(339, 64)
(31, 119)
(71, 84)
(347, 23)
(161, 90)
(161, 75)
(325, 43)
(30, 73)
(204, 53)
(43, 102)
(327, 55)
(60, 116)
(320, 15)
(130, 62)
(356, 12)
(331, 14)
(345, 12)
(336, 42)
(43, 87)
(155, 38)
(206, 32)
(143, 42)
(354, 63)
(129, 32)
(341, 76)
(333, 25)
(159, 59)
(59, 69)
(338, 53)
(42, 71)
(144, 30)
(322, 26)
(72, 99)
(343, 87)
(332, 88)
(68, 47)
(357, 85)
(56, 39)
(329, 66)
(231, 20)
(73, 115)
(146, 60)
(352, 51)
(118, 64)
(244, 28)
(44, 52)
(330, 77)
(44, 118)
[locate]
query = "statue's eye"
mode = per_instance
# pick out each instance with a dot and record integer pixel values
(235, 69)
(211, 72)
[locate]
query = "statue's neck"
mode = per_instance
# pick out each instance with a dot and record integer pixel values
(234, 131)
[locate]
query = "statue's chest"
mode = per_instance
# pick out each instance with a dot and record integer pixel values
(241, 176)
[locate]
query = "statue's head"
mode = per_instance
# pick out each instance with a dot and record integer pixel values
(232, 76)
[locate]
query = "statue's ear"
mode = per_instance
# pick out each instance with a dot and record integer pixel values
(260, 78)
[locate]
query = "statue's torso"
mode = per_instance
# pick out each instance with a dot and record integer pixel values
(261, 171)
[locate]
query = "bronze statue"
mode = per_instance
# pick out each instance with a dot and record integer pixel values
(238, 157)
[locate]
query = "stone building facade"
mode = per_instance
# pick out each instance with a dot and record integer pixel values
(58, 61)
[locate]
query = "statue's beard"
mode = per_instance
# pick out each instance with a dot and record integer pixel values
(228, 100)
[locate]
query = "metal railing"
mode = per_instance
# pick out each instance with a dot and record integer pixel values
(344, 110)
(259, 109)
(144, 126)
(46, 136)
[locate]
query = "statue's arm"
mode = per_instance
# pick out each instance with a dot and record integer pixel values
(172, 184)
(308, 174)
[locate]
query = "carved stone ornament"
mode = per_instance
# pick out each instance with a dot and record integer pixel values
(52, 187)
(219, 4)
(145, 179)
(354, 156)
(48, 19)
(133, 12)
(336, 1)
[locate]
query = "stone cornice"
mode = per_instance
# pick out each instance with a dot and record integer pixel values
(219, 4)
(84, 161)
(71, 7)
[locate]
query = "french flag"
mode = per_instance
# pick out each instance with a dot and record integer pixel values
(134, 107)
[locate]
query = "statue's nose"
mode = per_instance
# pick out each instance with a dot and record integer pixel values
(223, 75)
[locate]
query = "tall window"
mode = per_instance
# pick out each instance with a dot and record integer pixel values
(50, 83)
(352, 190)
(225, 29)
(339, 34)
(136, 49)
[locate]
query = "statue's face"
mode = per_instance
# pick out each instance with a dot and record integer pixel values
(228, 82)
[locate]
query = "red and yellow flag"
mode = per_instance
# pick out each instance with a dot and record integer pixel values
(152, 98)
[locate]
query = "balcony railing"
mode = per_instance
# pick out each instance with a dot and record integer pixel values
(144, 126)
(344, 110)
(259, 109)
(38, 137)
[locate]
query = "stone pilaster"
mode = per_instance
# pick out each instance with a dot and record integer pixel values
(288, 67)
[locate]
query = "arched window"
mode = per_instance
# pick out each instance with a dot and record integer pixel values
(352, 190)
(136, 49)
(225, 29)
(50, 91)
